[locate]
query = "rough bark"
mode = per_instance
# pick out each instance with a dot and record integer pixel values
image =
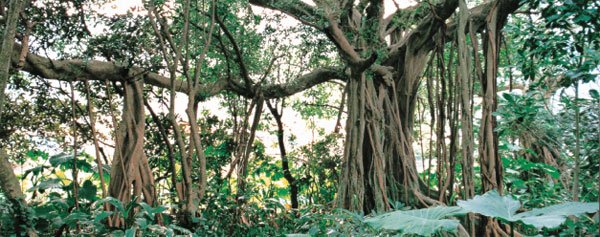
(11, 188)
(131, 174)
(10, 185)
(379, 163)
(490, 161)
(8, 181)
(491, 164)
(466, 96)
(8, 39)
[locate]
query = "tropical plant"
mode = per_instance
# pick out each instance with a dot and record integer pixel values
(505, 208)
(424, 222)
(429, 221)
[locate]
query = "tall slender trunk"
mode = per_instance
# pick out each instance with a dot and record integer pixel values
(577, 145)
(92, 115)
(441, 151)
(285, 165)
(75, 170)
(176, 192)
(242, 167)
(491, 164)
(466, 96)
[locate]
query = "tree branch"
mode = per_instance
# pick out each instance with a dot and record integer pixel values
(303, 12)
(80, 70)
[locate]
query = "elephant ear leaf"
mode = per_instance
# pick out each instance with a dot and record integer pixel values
(491, 204)
(423, 222)
(553, 216)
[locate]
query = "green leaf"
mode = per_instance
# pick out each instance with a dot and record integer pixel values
(35, 170)
(59, 159)
(493, 205)
(88, 191)
(130, 232)
(180, 229)
(424, 222)
(141, 222)
(150, 211)
(102, 215)
(48, 184)
(508, 97)
(594, 94)
(555, 215)
(117, 233)
(74, 217)
(113, 201)
(65, 161)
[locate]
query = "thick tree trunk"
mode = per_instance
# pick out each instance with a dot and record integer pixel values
(131, 173)
(10, 184)
(379, 163)
(12, 190)
(352, 191)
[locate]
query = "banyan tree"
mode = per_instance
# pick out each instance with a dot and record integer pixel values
(384, 63)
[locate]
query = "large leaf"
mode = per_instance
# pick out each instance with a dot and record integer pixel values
(553, 216)
(65, 161)
(491, 204)
(421, 221)
(59, 159)
(47, 184)
(35, 170)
